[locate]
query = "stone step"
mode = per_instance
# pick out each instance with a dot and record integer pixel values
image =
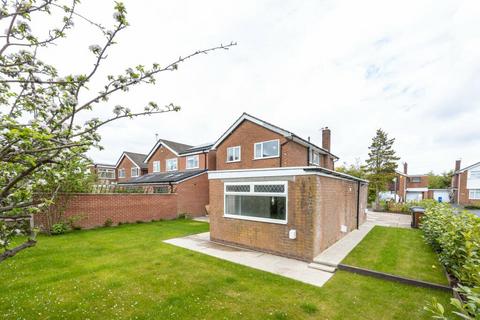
(322, 267)
(324, 262)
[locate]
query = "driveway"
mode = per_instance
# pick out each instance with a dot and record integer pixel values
(476, 212)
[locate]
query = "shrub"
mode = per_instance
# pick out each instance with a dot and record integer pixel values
(473, 207)
(59, 228)
(108, 223)
(456, 238)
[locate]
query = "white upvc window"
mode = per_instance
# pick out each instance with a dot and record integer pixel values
(475, 174)
(106, 173)
(234, 154)
(156, 166)
(474, 194)
(135, 172)
(121, 173)
(267, 149)
(192, 162)
(257, 201)
(315, 158)
(172, 164)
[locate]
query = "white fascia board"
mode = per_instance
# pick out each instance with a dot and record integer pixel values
(254, 120)
(268, 172)
(155, 148)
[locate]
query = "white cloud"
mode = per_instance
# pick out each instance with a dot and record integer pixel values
(410, 67)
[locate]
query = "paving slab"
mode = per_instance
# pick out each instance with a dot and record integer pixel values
(282, 266)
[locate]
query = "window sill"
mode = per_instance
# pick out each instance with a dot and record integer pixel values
(233, 161)
(255, 219)
(272, 157)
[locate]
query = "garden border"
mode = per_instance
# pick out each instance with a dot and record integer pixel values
(391, 277)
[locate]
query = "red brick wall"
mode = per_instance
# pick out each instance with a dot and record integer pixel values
(127, 165)
(422, 184)
(162, 154)
(212, 160)
(317, 206)
(97, 208)
(193, 196)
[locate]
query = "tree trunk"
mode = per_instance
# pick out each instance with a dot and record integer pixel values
(10, 253)
(377, 198)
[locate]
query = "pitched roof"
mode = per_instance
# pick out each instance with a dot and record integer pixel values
(164, 177)
(200, 147)
(274, 128)
(136, 158)
(173, 146)
(467, 168)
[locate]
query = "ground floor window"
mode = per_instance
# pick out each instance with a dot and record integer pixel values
(260, 201)
(474, 194)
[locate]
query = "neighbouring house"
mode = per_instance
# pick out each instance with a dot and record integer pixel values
(276, 192)
(180, 169)
(466, 184)
(414, 187)
(105, 173)
(130, 165)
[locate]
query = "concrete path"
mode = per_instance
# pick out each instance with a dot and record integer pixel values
(389, 219)
(289, 268)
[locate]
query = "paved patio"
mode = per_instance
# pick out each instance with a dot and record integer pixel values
(316, 273)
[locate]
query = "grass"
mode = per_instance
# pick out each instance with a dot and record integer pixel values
(127, 272)
(400, 252)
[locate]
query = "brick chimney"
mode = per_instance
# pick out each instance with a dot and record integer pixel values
(405, 168)
(458, 164)
(326, 138)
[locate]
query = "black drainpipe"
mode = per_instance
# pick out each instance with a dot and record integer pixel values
(206, 160)
(281, 145)
(358, 205)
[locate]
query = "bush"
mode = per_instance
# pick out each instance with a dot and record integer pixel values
(59, 228)
(473, 207)
(456, 238)
(108, 223)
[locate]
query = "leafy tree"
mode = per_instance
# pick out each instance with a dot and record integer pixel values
(41, 138)
(381, 164)
(355, 169)
(442, 181)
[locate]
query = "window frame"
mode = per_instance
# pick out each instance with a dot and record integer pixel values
(192, 156)
(121, 173)
(239, 153)
(261, 151)
(131, 172)
(474, 174)
(166, 164)
(159, 166)
(419, 179)
(474, 191)
(106, 170)
(312, 157)
(257, 194)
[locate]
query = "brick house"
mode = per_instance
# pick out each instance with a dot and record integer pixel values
(130, 165)
(414, 187)
(180, 169)
(466, 184)
(276, 192)
(105, 173)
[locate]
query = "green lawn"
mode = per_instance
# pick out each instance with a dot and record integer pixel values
(398, 251)
(127, 272)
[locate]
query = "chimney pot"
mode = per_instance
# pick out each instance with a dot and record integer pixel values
(405, 168)
(326, 138)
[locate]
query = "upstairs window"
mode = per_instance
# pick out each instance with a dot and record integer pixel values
(121, 173)
(475, 174)
(192, 162)
(156, 166)
(315, 158)
(267, 149)
(172, 164)
(135, 172)
(106, 173)
(415, 179)
(233, 154)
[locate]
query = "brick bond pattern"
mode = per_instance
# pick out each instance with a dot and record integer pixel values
(190, 198)
(317, 207)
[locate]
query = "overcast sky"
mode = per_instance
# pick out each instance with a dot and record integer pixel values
(411, 68)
